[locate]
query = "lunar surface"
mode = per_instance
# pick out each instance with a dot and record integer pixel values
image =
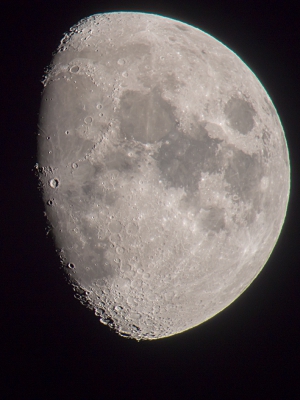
(164, 170)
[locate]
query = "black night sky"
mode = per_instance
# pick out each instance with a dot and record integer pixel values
(53, 347)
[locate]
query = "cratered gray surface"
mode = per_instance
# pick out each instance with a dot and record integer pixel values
(164, 169)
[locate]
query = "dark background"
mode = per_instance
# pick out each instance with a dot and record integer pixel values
(54, 348)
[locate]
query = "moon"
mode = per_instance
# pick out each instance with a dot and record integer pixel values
(164, 170)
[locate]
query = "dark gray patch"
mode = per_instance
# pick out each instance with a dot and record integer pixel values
(214, 219)
(88, 189)
(119, 161)
(90, 192)
(240, 114)
(84, 172)
(181, 158)
(244, 174)
(145, 117)
(70, 110)
(171, 82)
(111, 197)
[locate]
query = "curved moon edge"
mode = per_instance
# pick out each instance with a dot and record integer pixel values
(164, 169)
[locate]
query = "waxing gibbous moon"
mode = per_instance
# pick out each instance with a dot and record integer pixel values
(164, 170)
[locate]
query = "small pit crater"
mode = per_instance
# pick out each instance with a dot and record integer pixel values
(74, 69)
(88, 120)
(115, 227)
(132, 228)
(54, 183)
